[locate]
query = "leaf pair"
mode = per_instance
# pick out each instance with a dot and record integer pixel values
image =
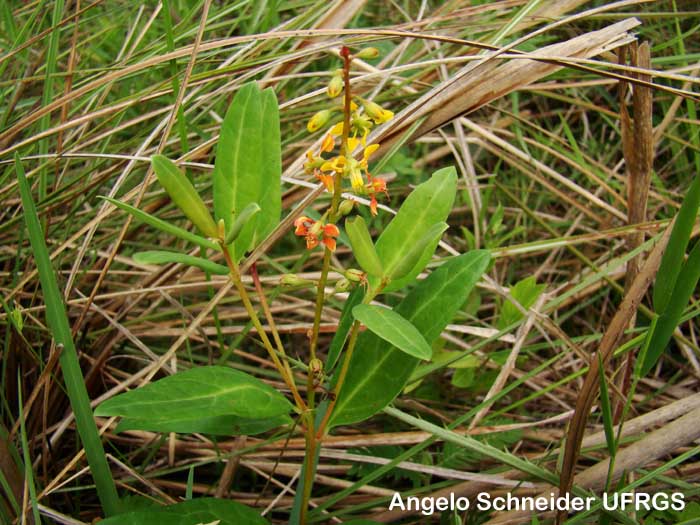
(366, 254)
(246, 182)
(408, 243)
(378, 372)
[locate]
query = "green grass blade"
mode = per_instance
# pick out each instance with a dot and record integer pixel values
(60, 329)
(668, 321)
(675, 250)
(28, 473)
(606, 411)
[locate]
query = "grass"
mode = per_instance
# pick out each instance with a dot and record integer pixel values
(90, 91)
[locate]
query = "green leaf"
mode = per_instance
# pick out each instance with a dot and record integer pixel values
(192, 512)
(672, 258)
(416, 250)
(164, 226)
(606, 409)
(248, 165)
(377, 374)
(670, 318)
(463, 377)
(204, 391)
(183, 194)
(429, 203)
(526, 293)
(362, 246)
(57, 319)
(218, 425)
(394, 329)
(163, 257)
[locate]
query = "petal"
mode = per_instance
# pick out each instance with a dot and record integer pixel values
(337, 130)
(356, 181)
(302, 220)
(311, 242)
(352, 144)
(373, 206)
(328, 143)
(330, 243)
(331, 230)
(369, 150)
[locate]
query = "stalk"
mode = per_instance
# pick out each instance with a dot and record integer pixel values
(245, 298)
(311, 435)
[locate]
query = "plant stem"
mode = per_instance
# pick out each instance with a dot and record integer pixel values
(335, 202)
(354, 332)
(270, 319)
(245, 298)
(311, 435)
(309, 468)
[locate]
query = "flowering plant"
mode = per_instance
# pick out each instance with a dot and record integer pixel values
(375, 349)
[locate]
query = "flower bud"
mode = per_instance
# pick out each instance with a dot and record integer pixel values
(343, 285)
(316, 367)
(355, 275)
(16, 317)
(291, 280)
(376, 112)
(367, 53)
(335, 86)
(346, 207)
(318, 120)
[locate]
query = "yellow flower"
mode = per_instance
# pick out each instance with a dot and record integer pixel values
(369, 150)
(336, 164)
(353, 170)
(312, 162)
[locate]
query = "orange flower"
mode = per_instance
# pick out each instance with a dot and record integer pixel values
(330, 232)
(326, 179)
(375, 185)
(313, 231)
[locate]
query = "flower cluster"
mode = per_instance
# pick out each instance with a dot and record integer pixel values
(361, 116)
(315, 232)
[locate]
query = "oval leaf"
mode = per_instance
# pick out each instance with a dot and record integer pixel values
(377, 374)
(191, 512)
(208, 390)
(416, 250)
(362, 246)
(394, 329)
(218, 425)
(248, 165)
(429, 203)
(183, 194)
(163, 257)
